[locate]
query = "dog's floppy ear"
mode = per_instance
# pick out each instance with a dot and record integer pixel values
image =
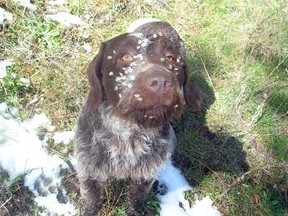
(192, 98)
(96, 93)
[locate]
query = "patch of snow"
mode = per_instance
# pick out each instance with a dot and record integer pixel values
(57, 2)
(173, 201)
(22, 153)
(12, 111)
(137, 23)
(66, 19)
(54, 6)
(27, 4)
(13, 75)
(38, 120)
(4, 64)
(5, 16)
(25, 81)
(51, 203)
(64, 137)
(87, 48)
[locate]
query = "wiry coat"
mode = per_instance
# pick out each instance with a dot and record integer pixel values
(119, 148)
(139, 82)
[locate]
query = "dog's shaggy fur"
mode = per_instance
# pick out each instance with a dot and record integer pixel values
(139, 82)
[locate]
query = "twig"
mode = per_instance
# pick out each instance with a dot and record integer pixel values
(3, 205)
(259, 24)
(64, 116)
(238, 99)
(236, 182)
(6, 210)
(278, 66)
(241, 178)
(281, 116)
(117, 201)
(257, 114)
(182, 206)
(207, 74)
(2, 82)
(254, 119)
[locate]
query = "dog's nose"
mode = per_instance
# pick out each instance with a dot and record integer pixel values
(159, 82)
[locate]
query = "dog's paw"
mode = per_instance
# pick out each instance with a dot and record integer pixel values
(45, 185)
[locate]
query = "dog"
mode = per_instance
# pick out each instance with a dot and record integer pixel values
(139, 81)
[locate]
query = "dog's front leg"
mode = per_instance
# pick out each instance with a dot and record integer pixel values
(92, 192)
(137, 196)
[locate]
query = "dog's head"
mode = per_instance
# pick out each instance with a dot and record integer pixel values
(144, 78)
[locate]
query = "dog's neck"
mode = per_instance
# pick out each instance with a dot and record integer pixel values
(124, 127)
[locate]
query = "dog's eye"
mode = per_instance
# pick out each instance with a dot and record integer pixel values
(126, 58)
(170, 58)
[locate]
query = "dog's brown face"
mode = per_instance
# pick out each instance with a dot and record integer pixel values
(144, 78)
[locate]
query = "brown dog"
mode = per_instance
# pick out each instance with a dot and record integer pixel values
(139, 82)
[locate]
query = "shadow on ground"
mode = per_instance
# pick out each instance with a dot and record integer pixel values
(199, 150)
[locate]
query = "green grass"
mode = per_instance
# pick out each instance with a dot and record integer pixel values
(235, 150)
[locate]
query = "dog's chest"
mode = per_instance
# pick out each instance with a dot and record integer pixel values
(129, 149)
(124, 150)
(138, 156)
(125, 142)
